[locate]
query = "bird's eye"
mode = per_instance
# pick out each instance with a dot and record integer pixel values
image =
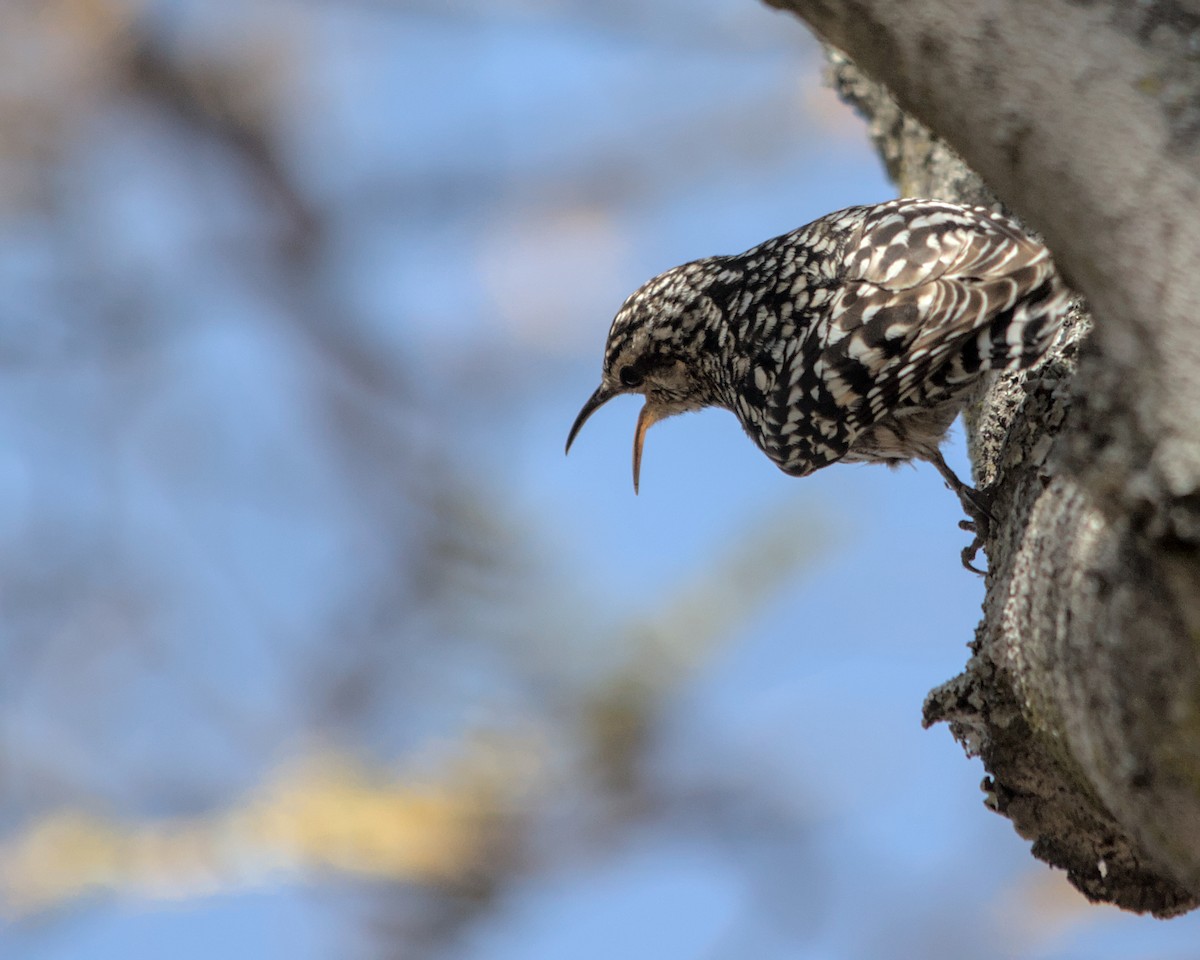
(630, 376)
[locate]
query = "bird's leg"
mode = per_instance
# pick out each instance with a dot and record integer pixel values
(976, 505)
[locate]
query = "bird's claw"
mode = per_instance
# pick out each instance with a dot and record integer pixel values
(976, 504)
(968, 555)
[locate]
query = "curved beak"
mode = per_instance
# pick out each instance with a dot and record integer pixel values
(646, 419)
(598, 399)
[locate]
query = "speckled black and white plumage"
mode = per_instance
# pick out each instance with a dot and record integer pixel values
(858, 337)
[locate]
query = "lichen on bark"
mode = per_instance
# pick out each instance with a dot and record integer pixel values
(1082, 694)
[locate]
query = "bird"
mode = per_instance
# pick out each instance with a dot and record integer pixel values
(856, 338)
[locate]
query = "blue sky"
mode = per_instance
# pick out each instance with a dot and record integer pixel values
(490, 181)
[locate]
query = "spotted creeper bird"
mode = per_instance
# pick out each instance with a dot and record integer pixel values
(858, 337)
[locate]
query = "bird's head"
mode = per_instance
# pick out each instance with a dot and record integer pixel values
(662, 344)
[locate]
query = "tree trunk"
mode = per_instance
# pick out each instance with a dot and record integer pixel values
(1083, 694)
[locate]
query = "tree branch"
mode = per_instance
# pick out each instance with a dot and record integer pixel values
(1083, 697)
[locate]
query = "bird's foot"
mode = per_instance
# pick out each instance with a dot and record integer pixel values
(972, 549)
(976, 504)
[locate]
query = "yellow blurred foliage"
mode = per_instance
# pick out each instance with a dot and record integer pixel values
(326, 813)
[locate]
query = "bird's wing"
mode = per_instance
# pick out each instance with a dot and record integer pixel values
(933, 295)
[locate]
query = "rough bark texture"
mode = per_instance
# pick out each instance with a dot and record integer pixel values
(1083, 694)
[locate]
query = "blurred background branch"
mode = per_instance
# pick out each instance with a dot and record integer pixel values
(306, 625)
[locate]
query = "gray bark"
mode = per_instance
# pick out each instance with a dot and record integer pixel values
(1083, 694)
